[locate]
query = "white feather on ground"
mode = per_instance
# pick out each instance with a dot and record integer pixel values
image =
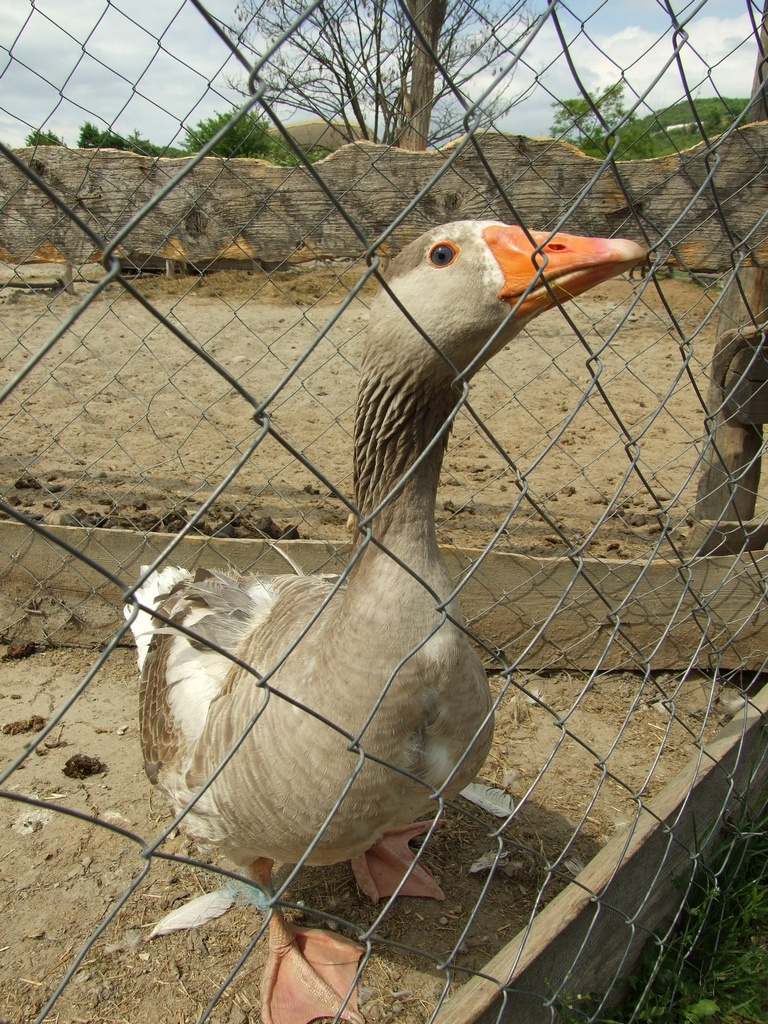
(495, 801)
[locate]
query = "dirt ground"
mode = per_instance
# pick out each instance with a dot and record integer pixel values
(61, 875)
(121, 424)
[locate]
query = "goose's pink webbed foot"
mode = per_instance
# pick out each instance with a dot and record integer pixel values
(380, 870)
(308, 975)
(309, 972)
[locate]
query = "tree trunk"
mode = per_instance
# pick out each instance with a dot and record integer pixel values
(429, 16)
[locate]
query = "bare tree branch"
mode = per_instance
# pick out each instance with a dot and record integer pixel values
(380, 69)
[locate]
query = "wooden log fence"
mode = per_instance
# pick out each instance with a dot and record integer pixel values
(688, 205)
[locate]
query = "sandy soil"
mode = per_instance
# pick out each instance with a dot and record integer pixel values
(121, 424)
(62, 875)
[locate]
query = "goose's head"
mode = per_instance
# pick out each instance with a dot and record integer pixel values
(465, 281)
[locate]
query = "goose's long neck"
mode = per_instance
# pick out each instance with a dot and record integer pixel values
(397, 424)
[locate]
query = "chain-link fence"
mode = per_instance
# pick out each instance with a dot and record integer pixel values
(185, 302)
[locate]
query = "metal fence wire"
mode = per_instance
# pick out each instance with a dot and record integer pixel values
(185, 297)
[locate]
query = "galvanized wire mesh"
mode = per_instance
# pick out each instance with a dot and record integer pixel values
(164, 403)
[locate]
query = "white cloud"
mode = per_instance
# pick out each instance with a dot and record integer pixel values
(718, 57)
(156, 68)
(79, 60)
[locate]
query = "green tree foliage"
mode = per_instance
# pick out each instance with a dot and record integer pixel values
(46, 138)
(92, 137)
(592, 124)
(137, 144)
(248, 137)
(674, 128)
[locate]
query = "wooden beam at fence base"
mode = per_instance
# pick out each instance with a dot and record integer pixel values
(591, 935)
(272, 214)
(728, 537)
(729, 480)
(547, 612)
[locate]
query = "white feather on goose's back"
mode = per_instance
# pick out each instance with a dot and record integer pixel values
(157, 587)
(194, 671)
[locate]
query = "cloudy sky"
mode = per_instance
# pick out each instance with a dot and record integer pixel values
(153, 67)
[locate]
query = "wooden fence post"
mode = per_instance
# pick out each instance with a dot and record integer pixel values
(731, 464)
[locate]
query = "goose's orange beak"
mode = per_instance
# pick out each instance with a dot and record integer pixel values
(570, 264)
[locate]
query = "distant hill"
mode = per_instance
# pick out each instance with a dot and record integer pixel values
(659, 133)
(675, 128)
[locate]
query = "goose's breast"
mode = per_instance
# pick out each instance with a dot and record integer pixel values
(453, 736)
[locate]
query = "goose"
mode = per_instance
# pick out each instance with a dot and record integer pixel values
(346, 709)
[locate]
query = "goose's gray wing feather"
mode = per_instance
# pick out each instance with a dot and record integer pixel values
(182, 674)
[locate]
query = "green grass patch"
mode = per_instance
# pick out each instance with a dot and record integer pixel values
(712, 967)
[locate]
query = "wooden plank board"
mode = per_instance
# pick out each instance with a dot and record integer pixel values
(247, 209)
(546, 612)
(724, 537)
(591, 934)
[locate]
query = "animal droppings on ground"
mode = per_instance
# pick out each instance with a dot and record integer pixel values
(80, 766)
(15, 652)
(32, 724)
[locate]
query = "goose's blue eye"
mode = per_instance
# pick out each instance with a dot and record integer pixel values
(443, 253)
